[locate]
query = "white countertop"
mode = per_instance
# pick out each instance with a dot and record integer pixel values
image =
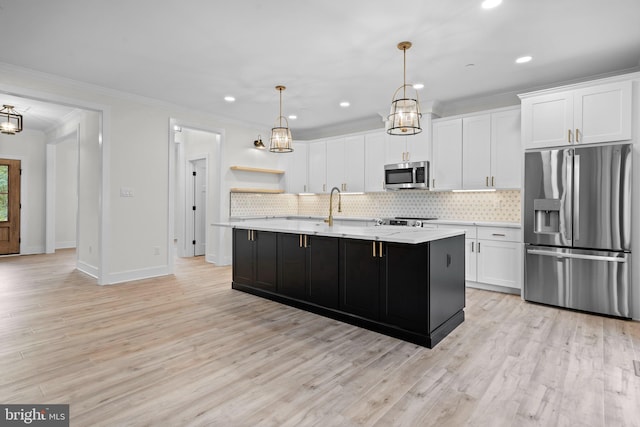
(385, 233)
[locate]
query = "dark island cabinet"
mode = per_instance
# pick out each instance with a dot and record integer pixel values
(308, 268)
(404, 286)
(411, 291)
(254, 254)
(360, 278)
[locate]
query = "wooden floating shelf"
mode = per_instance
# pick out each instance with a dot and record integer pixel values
(250, 169)
(256, 190)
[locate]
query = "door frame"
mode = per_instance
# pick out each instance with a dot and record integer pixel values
(100, 272)
(215, 245)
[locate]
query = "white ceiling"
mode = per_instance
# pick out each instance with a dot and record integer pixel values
(194, 52)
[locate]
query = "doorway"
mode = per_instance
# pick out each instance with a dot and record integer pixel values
(198, 206)
(9, 206)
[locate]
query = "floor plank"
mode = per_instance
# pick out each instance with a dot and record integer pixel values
(188, 350)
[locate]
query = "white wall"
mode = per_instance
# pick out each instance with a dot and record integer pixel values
(66, 202)
(29, 147)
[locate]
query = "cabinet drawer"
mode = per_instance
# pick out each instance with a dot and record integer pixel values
(497, 233)
(470, 230)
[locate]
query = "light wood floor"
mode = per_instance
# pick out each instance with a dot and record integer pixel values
(189, 350)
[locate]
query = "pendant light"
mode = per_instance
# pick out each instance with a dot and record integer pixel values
(281, 139)
(10, 120)
(404, 118)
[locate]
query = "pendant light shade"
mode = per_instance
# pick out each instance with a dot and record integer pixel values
(281, 139)
(10, 120)
(404, 118)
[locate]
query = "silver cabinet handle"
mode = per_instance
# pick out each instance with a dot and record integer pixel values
(576, 197)
(493, 181)
(473, 246)
(576, 256)
(478, 247)
(498, 234)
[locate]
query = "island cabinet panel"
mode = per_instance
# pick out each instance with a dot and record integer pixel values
(446, 280)
(254, 254)
(360, 278)
(292, 265)
(323, 273)
(405, 285)
(308, 268)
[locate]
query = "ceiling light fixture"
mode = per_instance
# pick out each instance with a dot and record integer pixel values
(229, 99)
(524, 59)
(10, 120)
(281, 135)
(344, 104)
(418, 86)
(404, 118)
(259, 144)
(292, 117)
(490, 4)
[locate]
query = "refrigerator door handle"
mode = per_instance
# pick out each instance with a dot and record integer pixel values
(566, 207)
(577, 256)
(576, 198)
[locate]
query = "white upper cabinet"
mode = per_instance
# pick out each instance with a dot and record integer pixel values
(345, 163)
(476, 152)
(446, 161)
(374, 160)
(414, 148)
(599, 113)
(317, 167)
(296, 175)
(506, 150)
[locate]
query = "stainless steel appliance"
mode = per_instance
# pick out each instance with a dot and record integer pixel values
(406, 222)
(577, 228)
(406, 176)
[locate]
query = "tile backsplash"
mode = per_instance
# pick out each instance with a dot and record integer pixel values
(498, 206)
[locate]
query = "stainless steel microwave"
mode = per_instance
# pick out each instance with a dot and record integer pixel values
(406, 176)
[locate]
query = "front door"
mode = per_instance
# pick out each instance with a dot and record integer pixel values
(9, 206)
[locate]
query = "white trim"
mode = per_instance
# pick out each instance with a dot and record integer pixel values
(595, 80)
(88, 269)
(143, 273)
(494, 288)
(65, 245)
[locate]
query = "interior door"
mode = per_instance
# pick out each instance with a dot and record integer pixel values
(9, 206)
(200, 206)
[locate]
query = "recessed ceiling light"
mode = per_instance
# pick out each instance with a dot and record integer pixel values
(523, 59)
(470, 65)
(293, 116)
(344, 104)
(490, 4)
(229, 98)
(418, 86)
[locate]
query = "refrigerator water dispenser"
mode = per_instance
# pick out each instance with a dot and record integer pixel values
(546, 215)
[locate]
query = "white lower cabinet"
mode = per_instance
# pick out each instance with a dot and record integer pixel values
(493, 257)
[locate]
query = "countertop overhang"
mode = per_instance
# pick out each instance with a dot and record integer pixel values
(386, 233)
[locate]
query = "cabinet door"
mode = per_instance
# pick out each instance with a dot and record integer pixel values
(292, 265)
(335, 163)
(603, 113)
(360, 278)
(317, 167)
(447, 152)
(353, 164)
(547, 120)
(374, 161)
(470, 260)
(500, 263)
(506, 150)
(323, 273)
(265, 260)
(395, 148)
(418, 147)
(405, 286)
(243, 257)
(476, 152)
(446, 279)
(296, 172)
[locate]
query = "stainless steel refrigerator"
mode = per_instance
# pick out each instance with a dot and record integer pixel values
(577, 228)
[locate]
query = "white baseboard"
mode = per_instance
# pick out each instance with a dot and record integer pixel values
(144, 273)
(89, 269)
(66, 245)
(495, 288)
(32, 250)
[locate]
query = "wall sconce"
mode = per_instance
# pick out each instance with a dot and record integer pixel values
(259, 144)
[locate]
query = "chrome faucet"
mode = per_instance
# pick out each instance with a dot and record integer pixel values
(330, 219)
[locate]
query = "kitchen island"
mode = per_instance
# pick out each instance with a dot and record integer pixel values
(403, 282)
